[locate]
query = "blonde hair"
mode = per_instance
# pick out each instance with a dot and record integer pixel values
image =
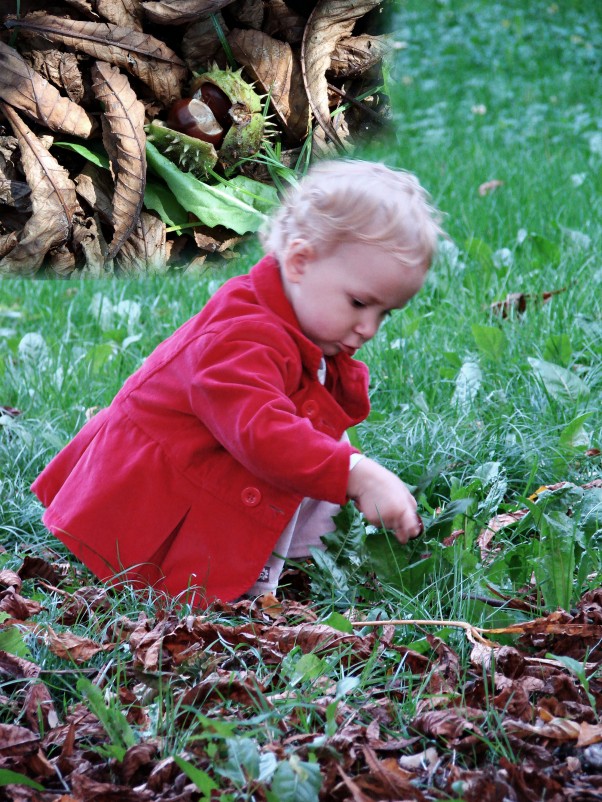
(347, 200)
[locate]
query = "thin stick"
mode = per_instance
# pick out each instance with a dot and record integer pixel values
(472, 633)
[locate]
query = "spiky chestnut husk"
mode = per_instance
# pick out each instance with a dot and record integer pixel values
(248, 129)
(190, 154)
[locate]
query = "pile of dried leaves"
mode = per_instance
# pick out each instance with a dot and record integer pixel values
(509, 724)
(93, 75)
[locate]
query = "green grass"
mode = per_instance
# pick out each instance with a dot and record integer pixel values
(480, 91)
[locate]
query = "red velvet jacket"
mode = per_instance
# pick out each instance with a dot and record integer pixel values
(190, 475)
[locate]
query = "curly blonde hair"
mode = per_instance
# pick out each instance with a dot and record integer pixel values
(348, 200)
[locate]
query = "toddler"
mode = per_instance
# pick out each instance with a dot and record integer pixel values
(226, 451)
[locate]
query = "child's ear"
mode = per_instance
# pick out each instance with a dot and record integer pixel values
(298, 254)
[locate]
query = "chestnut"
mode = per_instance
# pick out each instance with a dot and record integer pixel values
(193, 117)
(218, 101)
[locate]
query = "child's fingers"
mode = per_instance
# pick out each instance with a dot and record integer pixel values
(410, 530)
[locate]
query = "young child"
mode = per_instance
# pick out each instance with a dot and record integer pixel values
(229, 443)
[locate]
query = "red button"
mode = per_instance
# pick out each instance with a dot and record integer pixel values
(309, 409)
(251, 496)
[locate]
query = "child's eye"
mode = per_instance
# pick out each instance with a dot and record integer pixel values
(357, 304)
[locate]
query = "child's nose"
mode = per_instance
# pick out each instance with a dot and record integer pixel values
(367, 326)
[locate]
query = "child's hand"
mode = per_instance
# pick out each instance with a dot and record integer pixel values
(384, 500)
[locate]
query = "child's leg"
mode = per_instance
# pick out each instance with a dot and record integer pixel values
(311, 520)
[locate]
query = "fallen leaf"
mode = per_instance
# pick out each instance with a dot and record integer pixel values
(124, 140)
(127, 13)
(24, 89)
(10, 579)
(447, 724)
(490, 186)
(144, 251)
(61, 69)
(140, 54)
(178, 12)
(329, 22)
(354, 55)
(518, 301)
(73, 647)
(589, 734)
(274, 66)
(53, 200)
(16, 740)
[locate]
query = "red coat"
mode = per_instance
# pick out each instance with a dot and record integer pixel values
(190, 475)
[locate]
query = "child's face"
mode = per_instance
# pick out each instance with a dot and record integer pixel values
(342, 298)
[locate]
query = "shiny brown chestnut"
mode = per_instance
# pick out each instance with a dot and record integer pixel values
(193, 117)
(218, 101)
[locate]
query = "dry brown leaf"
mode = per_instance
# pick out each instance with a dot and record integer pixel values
(215, 239)
(7, 243)
(10, 579)
(179, 12)
(94, 186)
(144, 251)
(357, 54)
(127, 13)
(138, 53)
(125, 142)
(330, 21)
(121, 12)
(490, 186)
(274, 66)
(589, 734)
(15, 194)
(16, 740)
(39, 708)
(448, 724)
(61, 69)
(201, 45)
(518, 301)
(73, 647)
(26, 90)
(283, 22)
(17, 666)
(53, 199)
(560, 729)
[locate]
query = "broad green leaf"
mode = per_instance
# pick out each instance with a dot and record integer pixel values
(574, 434)
(235, 205)
(161, 200)
(490, 340)
(307, 667)
(11, 641)
(200, 778)
(556, 564)
(338, 621)
(558, 349)
(8, 777)
(296, 781)
(96, 155)
(559, 382)
(243, 761)
(544, 250)
(99, 354)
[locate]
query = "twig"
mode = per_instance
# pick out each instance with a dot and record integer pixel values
(366, 109)
(472, 633)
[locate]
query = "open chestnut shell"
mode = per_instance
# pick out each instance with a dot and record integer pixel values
(194, 117)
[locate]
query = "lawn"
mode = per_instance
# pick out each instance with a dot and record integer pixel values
(486, 400)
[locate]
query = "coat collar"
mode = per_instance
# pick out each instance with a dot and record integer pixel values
(267, 283)
(347, 378)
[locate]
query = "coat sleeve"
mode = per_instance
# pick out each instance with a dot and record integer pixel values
(241, 390)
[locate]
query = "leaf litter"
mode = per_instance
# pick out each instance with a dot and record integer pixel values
(200, 680)
(90, 78)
